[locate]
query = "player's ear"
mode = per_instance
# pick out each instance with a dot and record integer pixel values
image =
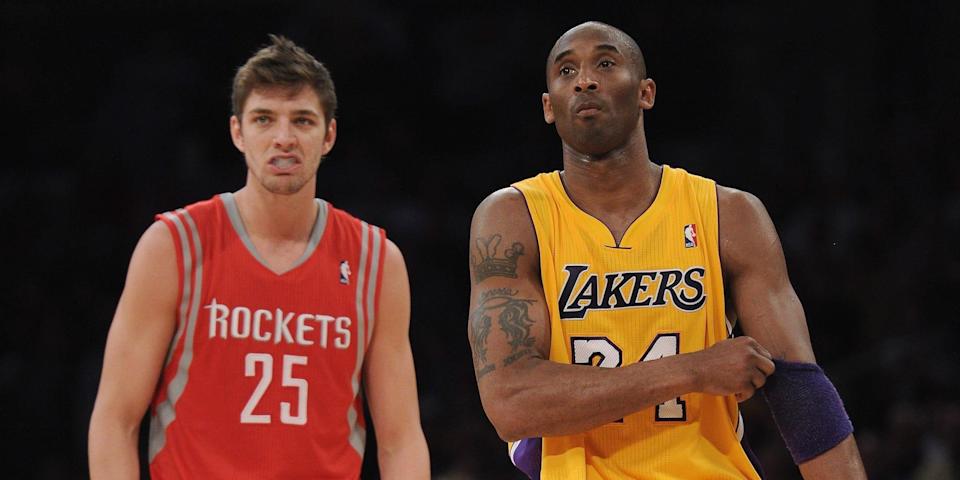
(648, 93)
(235, 133)
(547, 108)
(330, 137)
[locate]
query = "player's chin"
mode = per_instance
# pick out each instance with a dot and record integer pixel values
(284, 185)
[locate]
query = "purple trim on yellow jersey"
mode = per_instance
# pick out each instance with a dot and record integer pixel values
(526, 455)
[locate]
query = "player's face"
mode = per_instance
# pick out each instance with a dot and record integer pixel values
(283, 136)
(595, 95)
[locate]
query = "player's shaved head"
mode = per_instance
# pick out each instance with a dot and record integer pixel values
(620, 41)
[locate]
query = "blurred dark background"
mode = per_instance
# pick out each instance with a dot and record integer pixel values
(842, 117)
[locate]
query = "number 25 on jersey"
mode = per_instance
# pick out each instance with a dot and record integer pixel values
(289, 414)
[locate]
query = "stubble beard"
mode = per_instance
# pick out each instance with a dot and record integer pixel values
(598, 139)
(283, 184)
(593, 142)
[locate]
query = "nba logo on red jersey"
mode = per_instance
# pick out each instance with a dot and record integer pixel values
(690, 235)
(345, 272)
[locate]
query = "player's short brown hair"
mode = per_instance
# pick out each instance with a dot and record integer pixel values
(284, 64)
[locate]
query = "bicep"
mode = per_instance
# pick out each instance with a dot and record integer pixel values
(388, 369)
(508, 320)
(763, 298)
(142, 327)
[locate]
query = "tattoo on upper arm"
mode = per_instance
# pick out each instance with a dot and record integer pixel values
(514, 320)
(479, 330)
(486, 264)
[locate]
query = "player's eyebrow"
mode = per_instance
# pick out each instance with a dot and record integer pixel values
(602, 47)
(608, 48)
(561, 55)
(267, 111)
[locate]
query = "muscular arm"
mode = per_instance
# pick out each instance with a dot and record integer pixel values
(768, 308)
(391, 384)
(526, 395)
(136, 345)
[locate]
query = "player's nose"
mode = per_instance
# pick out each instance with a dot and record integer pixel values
(585, 81)
(284, 137)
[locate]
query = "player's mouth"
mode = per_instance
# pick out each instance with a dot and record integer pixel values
(284, 164)
(587, 109)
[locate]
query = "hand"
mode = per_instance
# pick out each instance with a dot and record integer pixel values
(738, 367)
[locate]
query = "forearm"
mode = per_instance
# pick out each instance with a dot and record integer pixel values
(842, 461)
(405, 458)
(542, 398)
(113, 450)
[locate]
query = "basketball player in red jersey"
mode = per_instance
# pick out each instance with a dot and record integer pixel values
(249, 321)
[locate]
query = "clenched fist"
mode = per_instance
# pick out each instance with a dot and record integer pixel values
(737, 366)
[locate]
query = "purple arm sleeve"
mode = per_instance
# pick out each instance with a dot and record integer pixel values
(806, 408)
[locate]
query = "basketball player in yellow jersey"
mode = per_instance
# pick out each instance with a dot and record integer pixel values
(598, 326)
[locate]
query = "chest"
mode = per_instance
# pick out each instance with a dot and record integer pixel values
(279, 256)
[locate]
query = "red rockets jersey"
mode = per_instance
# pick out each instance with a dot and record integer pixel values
(262, 379)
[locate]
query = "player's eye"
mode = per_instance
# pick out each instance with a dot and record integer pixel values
(261, 119)
(605, 64)
(566, 71)
(304, 121)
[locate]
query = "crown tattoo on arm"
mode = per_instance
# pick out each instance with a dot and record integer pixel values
(489, 265)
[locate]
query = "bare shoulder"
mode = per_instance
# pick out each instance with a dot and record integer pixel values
(395, 292)
(151, 292)
(739, 205)
(393, 308)
(156, 247)
(393, 257)
(504, 205)
(746, 231)
(153, 270)
(502, 227)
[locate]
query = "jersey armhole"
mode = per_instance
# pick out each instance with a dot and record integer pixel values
(380, 238)
(537, 236)
(178, 246)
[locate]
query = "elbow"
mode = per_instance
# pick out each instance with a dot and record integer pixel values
(508, 429)
(509, 416)
(512, 436)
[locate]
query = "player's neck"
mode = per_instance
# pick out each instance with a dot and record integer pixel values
(621, 181)
(277, 217)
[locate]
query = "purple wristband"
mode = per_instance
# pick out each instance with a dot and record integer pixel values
(806, 408)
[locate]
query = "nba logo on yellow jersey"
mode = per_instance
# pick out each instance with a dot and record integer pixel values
(690, 235)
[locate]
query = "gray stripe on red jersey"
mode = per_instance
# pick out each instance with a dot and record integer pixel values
(234, 214)
(358, 435)
(165, 412)
(158, 422)
(372, 284)
(185, 300)
(315, 235)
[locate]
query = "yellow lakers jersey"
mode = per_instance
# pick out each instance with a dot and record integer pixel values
(659, 292)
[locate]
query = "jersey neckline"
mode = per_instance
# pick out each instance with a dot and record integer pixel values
(666, 177)
(316, 233)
